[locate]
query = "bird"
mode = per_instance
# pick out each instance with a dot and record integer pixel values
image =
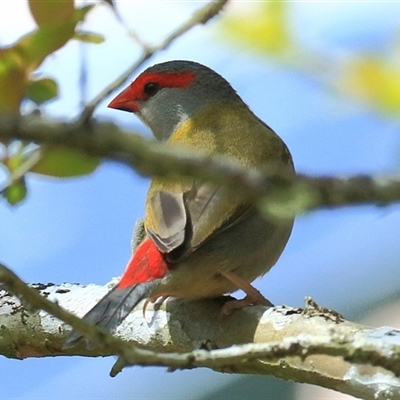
(202, 240)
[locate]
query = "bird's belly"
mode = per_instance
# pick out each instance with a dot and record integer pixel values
(248, 249)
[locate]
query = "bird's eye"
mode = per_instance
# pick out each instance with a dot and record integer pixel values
(151, 88)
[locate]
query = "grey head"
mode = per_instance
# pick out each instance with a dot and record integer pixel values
(167, 94)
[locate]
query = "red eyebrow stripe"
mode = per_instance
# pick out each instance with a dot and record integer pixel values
(181, 80)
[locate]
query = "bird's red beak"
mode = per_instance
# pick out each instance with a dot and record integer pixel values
(125, 101)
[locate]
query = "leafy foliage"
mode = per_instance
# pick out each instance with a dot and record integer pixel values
(64, 162)
(373, 79)
(57, 23)
(268, 32)
(41, 90)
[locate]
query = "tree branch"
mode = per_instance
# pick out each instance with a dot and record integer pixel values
(268, 187)
(311, 345)
(201, 16)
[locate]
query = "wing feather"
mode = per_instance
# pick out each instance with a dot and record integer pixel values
(181, 222)
(169, 212)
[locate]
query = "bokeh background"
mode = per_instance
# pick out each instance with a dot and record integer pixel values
(325, 75)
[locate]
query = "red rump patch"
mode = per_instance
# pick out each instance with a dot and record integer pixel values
(145, 265)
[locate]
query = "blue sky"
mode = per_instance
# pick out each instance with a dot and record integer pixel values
(79, 230)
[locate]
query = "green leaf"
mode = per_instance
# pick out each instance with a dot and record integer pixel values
(63, 162)
(18, 62)
(51, 12)
(16, 192)
(36, 46)
(89, 37)
(41, 90)
(12, 80)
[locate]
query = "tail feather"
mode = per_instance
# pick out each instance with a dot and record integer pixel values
(113, 308)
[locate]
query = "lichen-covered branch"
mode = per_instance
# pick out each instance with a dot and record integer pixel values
(268, 187)
(310, 345)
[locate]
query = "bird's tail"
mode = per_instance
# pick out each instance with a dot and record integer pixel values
(113, 308)
(143, 273)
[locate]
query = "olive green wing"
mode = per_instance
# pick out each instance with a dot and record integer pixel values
(187, 219)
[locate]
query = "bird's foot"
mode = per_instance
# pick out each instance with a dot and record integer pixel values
(253, 296)
(159, 300)
(232, 305)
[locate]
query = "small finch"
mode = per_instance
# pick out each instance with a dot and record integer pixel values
(202, 241)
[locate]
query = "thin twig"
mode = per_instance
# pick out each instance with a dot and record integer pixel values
(302, 346)
(201, 16)
(31, 160)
